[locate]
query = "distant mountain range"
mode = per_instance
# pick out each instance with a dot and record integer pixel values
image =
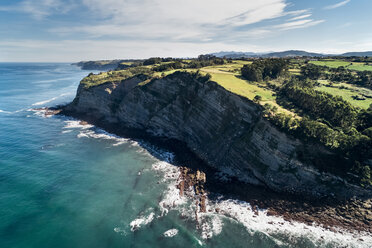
(359, 54)
(284, 54)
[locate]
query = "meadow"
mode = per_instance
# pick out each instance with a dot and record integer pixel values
(348, 92)
(355, 66)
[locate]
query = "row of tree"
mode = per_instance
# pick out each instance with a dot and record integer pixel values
(205, 60)
(360, 78)
(169, 66)
(158, 60)
(340, 74)
(334, 109)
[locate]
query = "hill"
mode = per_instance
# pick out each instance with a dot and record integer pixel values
(288, 53)
(358, 54)
(293, 53)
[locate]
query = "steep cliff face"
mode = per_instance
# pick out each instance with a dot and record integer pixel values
(223, 129)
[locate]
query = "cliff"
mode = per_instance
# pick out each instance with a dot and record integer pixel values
(225, 130)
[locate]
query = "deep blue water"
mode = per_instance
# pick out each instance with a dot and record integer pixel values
(67, 185)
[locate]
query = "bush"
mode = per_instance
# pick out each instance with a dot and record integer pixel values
(312, 71)
(257, 98)
(168, 66)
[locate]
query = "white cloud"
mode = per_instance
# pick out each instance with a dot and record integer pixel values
(337, 5)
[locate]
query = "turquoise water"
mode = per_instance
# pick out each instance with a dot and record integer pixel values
(67, 185)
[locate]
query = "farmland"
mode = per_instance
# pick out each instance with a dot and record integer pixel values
(356, 66)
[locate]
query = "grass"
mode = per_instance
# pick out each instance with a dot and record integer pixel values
(347, 92)
(235, 84)
(356, 66)
(360, 67)
(127, 63)
(241, 87)
(330, 63)
(113, 76)
(101, 78)
(294, 71)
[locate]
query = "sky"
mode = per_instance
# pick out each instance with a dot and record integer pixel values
(75, 30)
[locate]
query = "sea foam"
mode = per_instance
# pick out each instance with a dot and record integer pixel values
(141, 221)
(5, 112)
(170, 233)
(277, 228)
(90, 131)
(100, 134)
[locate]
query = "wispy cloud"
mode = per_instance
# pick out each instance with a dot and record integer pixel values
(300, 17)
(39, 9)
(191, 20)
(337, 5)
(298, 24)
(170, 20)
(237, 12)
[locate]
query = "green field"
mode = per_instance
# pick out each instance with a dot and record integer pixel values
(233, 82)
(347, 92)
(356, 66)
(360, 67)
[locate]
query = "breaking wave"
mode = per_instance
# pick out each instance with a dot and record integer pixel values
(141, 221)
(170, 233)
(211, 223)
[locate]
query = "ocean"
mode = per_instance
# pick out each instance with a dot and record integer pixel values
(63, 184)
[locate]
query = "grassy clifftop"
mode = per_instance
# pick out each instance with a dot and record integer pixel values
(114, 76)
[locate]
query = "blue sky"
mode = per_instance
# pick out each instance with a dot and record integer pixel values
(74, 30)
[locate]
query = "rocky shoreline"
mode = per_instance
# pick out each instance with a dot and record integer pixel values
(352, 215)
(194, 181)
(48, 111)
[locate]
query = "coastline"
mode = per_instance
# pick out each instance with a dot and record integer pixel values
(351, 215)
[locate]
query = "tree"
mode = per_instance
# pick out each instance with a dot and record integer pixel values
(333, 109)
(264, 69)
(311, 71)
(257, 98)
(152, 61)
